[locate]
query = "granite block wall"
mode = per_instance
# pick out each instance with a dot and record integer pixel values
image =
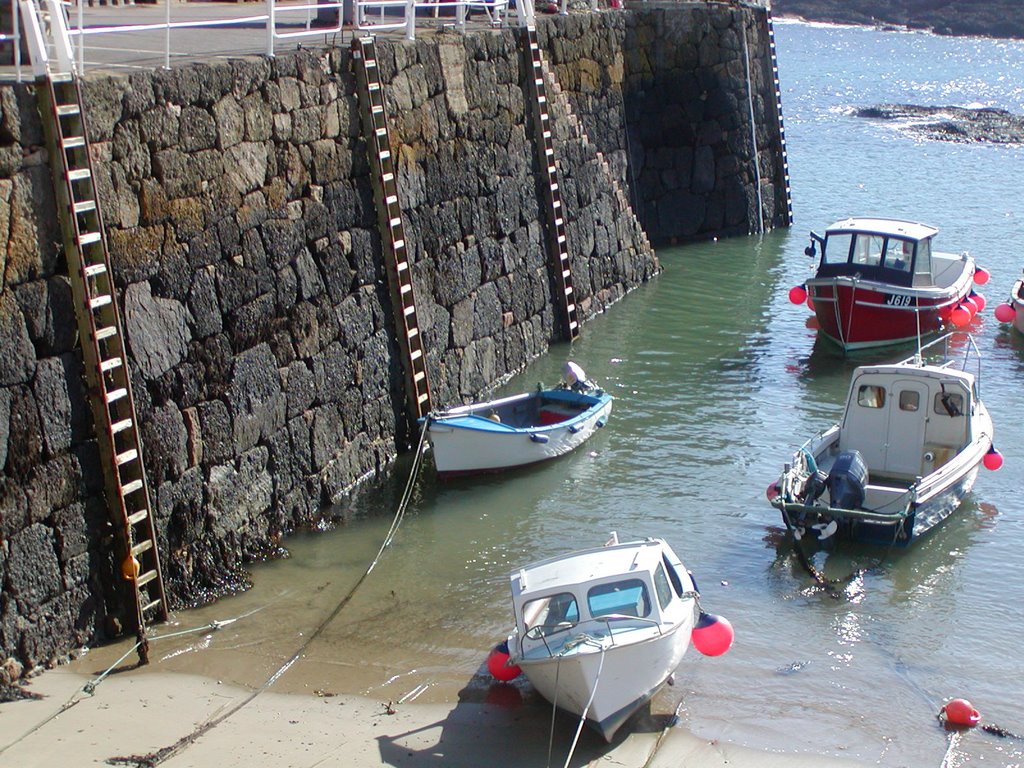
(240, 222)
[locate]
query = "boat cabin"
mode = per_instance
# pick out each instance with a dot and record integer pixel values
(612, 589)
(906, 421)
(882, 250)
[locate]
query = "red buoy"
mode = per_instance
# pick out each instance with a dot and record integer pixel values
(1005, 313)
(993, 459)
(960, 712)
(773, 490)
(960, 316)
(981, 275)
(798, 294)
(970, 305)
(712, 634)
(978, 299)
(498, 666)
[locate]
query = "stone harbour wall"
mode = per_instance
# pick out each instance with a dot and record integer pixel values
(239, 216)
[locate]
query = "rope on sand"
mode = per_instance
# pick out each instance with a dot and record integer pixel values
(155, 758)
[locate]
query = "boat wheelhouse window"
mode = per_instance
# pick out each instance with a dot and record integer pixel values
(910, 400)
(836, 249)
(677, 583)
(923, 262)
(871, 396)
(949, 403)
(868, 250)
(554, 613)
(661, 586)
(899, 255)
(627, 597)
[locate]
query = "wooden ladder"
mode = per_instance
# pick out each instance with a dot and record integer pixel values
(103, 349)
(396, 253)
(558, 245)
(778, 109)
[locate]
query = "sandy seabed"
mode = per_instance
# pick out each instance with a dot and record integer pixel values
(143, 717)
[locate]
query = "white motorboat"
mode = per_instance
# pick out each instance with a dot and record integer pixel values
(598, 632)
(520, 430)
(904, 455)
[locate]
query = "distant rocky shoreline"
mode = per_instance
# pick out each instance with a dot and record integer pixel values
(981, 18)
(958, 124)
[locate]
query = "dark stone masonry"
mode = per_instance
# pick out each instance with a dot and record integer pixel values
(240, 220)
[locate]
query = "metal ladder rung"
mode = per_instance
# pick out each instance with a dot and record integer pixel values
(410, 310)
(95, 269)
(142, 546)
(116, 394)
(416, 354)
(79, 174)
(405, 289)
(99, 301)
(150, 605)
(420, 375)
(137, 517)
(65, 110)
(106, 366)
(144, 579)
(120, 426)
(84, 206)
(130, 488)
(106, 332)
(423, 397)
(123, 458)
(88, 238)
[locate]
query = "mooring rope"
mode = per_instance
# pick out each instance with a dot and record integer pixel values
(89, 689)
(155, 758)
(586, 710)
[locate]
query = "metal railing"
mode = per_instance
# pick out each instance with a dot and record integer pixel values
(99, 39)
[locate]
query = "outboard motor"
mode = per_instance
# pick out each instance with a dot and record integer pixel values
(848, 480)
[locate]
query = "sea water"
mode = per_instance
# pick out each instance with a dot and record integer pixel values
(717, 379)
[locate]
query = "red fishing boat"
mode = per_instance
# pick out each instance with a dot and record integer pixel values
(879, 282)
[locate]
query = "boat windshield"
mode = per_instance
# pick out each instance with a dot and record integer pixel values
(836, 249)
(554, 613)
(627, 597)
(874, 256)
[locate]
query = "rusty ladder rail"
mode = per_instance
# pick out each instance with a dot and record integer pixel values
(558, 244)
(103, 349)
(392, 228)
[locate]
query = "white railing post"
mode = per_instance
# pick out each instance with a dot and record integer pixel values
(34, 37)
(410, 19)
(59, 33)
(460, 15)
(167, 34)
(81, 37)
(563, 9)
(16, 37)
(524, 12)
(270, 27)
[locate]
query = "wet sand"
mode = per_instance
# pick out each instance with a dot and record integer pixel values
(189, 720)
